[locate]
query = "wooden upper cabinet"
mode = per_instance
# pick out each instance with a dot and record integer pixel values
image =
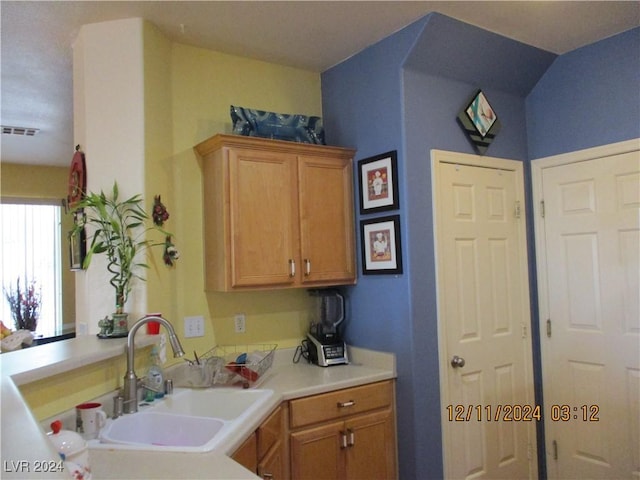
(276, 214)
(326, 219)
(262, 216)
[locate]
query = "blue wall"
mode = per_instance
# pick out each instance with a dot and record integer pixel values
(362, 108)
(589, 97)
(448, 63)
(403, 94)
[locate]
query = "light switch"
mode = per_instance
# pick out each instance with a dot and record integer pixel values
(194, 326)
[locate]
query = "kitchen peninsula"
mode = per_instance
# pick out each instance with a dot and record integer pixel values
(24, 441)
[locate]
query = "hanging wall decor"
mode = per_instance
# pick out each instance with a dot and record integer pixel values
(159, 213)
(75, 193)
(381, 249)
(171, 253)
(378, 178)
(479, 121)
(77, 178)
(77, 241)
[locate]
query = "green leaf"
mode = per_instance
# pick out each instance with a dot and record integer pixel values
(119, 233)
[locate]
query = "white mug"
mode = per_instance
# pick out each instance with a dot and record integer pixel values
(90, 418)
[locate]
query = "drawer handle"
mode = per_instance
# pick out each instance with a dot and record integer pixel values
(350, 403)
(267, 476)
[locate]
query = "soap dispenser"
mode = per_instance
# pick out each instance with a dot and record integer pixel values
(155, 378)
(73, 451)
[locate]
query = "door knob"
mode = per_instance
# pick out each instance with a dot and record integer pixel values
(457, 362)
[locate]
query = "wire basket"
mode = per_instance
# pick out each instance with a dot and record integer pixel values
(241, 365)
(228, 365)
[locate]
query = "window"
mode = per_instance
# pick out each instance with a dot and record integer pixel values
(31, 250)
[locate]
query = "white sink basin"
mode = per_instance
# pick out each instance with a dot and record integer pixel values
(161, 429)
(224, 403)
(189, 420)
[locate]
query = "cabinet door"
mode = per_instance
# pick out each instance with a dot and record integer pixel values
(318, 453)
(270, 432)
(272, 465)
(326, 220)
(263, 212)
(371, 446)
(246, 454)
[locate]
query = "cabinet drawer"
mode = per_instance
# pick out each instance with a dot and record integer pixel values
(341, 403)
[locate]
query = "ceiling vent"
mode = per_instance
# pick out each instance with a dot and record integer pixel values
(24, 131)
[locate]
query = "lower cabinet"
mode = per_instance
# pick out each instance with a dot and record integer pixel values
(355, 440)
(272, 460)
(264, 451)
(345, 434)
(247, 453)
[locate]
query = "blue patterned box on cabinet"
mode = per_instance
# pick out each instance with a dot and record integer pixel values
(277, 126)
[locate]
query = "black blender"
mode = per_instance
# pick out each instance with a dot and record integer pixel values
(325, 345)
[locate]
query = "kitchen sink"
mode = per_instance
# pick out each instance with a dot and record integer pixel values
(223, 403)
(189, 420)
(162, 429)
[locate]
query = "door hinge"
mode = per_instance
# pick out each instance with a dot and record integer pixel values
(542, 208)
(555, 450)
(524, 330)
(517, 209)
(549, 328)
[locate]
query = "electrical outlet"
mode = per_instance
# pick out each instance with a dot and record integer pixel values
(239, 322)
(194, 326)
(83, 328)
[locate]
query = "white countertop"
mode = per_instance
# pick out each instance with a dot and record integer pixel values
(23, 440)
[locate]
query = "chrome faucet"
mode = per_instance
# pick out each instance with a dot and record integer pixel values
(130, 379)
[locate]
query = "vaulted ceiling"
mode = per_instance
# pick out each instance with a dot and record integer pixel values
(36, 40)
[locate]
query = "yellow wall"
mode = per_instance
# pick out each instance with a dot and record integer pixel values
(158, 169)
(188, 92)
(62, 392)
(29, 181)
(203, 86)
(24, 181)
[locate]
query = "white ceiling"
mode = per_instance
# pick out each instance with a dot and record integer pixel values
(36, 39)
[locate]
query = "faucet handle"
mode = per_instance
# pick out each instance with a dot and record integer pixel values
(168, 386)
(118, 405)
(149, 386)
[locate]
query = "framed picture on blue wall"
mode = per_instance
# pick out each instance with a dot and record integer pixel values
(480, 121)
(381, 249)
(378, 178)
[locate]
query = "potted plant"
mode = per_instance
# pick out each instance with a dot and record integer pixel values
(25, 304)
(121, 234)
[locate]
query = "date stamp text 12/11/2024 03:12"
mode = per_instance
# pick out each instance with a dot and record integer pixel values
(521, 413)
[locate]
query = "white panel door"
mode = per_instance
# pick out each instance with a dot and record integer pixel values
(591, 362)
(483, 318)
